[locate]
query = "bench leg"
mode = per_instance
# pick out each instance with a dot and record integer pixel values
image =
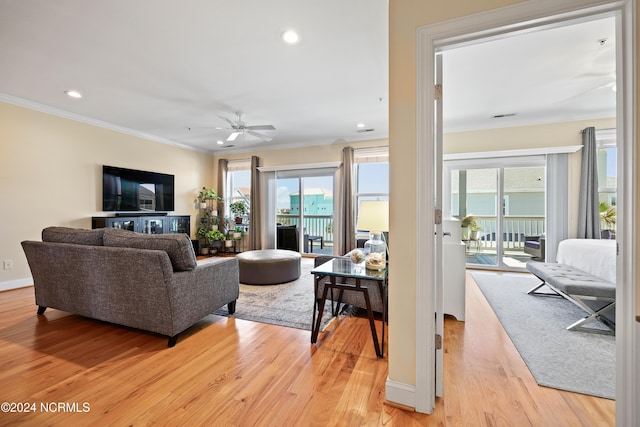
(535, 292)
(591, 316)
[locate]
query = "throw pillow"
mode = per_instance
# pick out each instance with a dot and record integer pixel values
(177, 246)
(78, 236)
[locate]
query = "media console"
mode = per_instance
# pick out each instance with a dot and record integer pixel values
(147, 224)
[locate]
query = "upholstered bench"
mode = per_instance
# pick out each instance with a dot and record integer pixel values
(268, 266)
(578, 287)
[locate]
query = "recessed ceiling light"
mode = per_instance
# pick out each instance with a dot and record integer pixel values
(220, 142)
(290, 37)
(219, 128)
(360, 125)
(73, 93)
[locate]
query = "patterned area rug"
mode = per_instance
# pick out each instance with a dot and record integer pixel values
(288, 304)
(581, 362)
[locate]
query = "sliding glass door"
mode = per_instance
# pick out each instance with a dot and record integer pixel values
(305, 211)
(500, 202)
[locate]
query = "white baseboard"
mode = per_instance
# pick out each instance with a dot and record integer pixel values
(15, 284)
(401, 393)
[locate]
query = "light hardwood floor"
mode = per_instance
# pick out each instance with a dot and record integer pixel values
(239, 373)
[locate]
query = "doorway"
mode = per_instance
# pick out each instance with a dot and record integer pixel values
(501, 23)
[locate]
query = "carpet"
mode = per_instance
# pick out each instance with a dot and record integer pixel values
(288, 304)
(575, 361)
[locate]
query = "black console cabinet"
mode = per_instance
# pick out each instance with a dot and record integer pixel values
(146, 224)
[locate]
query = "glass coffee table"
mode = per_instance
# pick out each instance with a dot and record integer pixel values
(344, 275)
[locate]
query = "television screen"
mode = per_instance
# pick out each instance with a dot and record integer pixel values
(129, 190)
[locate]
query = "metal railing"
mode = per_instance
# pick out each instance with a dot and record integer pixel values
(515, 229)
(313, 225)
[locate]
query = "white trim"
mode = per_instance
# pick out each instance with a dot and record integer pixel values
(397, 392)
(16, 284)
(9, 99)
(521, 17)
(513, 153)
(298, 167)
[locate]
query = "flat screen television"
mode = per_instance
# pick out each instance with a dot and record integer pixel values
(130, 190)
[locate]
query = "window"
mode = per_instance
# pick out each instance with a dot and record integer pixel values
(238, 185)
(372, 175)
(607, 176)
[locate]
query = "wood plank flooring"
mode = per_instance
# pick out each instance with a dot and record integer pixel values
(238, 373)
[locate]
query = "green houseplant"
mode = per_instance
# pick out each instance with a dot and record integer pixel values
(238, 209)
(470, 227)
(212, 237)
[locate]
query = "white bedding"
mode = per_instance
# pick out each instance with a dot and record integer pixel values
(593, 256)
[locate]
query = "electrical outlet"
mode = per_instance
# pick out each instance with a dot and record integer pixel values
(8, 264)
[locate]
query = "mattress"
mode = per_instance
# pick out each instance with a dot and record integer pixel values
(593, 256)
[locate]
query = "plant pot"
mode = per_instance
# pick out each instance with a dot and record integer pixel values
(228, 243)
(204, 251)
(237, 235)
(203, 205)
(238, 220)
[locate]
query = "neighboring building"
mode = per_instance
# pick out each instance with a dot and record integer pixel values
(317, 201)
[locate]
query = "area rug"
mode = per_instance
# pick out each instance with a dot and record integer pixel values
(575, 361)
(288, 304)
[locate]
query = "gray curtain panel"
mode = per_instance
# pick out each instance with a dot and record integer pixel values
(255, 225)
(222, 185)
(588, 208)
(347, 237)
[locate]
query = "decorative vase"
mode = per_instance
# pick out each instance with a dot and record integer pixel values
(376, 252)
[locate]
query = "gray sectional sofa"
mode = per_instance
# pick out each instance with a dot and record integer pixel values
(148, 282)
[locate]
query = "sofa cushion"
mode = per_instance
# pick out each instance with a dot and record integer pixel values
(177, 246)
(78, 236)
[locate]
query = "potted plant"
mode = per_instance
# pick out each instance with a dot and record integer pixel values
(238, 209)
(214, 237)
(204, 243)
(237, 234)
(468, 224)
(206, 194)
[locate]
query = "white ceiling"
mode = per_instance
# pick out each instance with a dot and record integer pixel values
(173, 71)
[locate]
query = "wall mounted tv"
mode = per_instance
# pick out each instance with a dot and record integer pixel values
(129, 190)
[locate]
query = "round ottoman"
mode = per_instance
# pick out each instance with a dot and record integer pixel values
(268, 266)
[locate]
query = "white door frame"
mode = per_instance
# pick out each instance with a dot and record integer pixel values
(529, 16)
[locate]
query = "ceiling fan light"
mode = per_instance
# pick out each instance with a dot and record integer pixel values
(233, 136)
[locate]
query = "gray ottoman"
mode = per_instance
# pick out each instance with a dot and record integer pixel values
(268, 266)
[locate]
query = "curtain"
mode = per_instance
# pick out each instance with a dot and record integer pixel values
(557, 204)
(588, 208)
(255, 225)
(222, 185)
(347, 234)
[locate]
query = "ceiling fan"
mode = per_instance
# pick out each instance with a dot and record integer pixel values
(239, 128)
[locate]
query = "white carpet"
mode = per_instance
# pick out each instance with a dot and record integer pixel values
(576, 361)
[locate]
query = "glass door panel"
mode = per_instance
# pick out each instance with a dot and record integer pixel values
(305, 213)
(473, 195)
(523, 211)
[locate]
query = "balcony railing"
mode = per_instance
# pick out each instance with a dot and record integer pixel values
(313, 225)
(515, 228)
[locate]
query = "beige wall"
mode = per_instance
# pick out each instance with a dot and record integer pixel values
(51, 174)
(534, 136)
(303, 155)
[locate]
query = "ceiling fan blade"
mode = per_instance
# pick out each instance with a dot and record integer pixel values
(259, 135)
(233, 136)
(232, 124)
(261, 127)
